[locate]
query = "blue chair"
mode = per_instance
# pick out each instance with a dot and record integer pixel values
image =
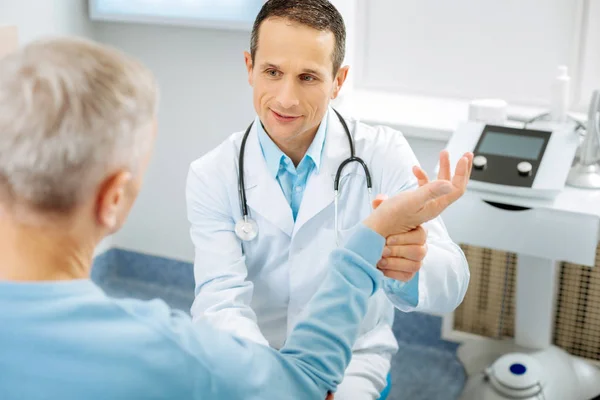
(387, 389)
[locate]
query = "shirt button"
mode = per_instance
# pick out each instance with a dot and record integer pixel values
(298, 188)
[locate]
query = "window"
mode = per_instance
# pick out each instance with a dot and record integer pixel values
(223, 14)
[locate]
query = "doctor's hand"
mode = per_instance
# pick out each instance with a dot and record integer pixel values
(403, 254)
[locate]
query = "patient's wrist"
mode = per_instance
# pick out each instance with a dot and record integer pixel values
(376, 226)
(367, 243)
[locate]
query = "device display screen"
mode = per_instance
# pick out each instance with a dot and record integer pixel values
(507, 145)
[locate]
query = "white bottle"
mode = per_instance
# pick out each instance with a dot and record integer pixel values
(559, 104)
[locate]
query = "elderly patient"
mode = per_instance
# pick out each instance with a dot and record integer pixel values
(77, 126)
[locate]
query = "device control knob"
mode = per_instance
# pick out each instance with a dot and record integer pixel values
(479, 162)
(524, 168)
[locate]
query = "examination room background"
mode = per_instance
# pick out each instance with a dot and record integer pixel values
(205, 97)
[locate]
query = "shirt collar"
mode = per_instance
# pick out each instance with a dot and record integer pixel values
(275, 157)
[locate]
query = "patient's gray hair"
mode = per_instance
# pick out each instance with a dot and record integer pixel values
(71, 111)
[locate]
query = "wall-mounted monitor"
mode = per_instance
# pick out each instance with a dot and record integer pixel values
(217, 14)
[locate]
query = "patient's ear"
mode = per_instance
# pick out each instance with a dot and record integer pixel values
(114, 200)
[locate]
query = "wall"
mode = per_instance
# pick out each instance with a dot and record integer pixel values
(466, 48)
(205, 97)
(36, 18)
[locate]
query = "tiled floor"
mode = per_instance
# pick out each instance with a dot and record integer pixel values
(425, 367)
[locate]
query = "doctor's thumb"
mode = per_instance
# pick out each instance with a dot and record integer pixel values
(380, 198)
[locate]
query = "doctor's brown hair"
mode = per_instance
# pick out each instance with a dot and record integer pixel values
(317, 14)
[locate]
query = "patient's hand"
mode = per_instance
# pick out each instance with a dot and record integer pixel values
(408, 210)
(459, 180)
(329, 396)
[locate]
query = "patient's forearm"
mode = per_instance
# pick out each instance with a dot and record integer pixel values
(313, 360)
(321, 343)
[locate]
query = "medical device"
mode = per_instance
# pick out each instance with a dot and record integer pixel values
(531, 162)
(247, 229)
(585, 173)
(520, 201)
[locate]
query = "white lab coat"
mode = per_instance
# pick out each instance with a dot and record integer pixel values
(258, 289)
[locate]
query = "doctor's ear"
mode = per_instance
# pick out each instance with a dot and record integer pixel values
(339, 80)
(248, 61)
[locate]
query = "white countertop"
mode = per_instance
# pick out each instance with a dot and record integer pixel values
(433, 118)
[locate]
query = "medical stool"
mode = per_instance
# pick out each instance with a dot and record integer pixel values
(387, 389)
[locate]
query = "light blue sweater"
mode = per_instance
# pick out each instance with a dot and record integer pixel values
(68, 340)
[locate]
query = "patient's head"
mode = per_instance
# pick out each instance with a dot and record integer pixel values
(77, 126)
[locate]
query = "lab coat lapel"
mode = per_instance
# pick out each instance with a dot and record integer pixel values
(318, 193)
(263, 193)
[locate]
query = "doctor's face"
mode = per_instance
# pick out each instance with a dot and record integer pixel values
(292, 78)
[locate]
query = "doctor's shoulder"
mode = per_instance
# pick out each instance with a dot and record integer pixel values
(211, 177)
(216, 160)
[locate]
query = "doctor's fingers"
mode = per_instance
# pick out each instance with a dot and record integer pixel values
(416, 236)
(399, 264)
(413, 252)
(398, 275)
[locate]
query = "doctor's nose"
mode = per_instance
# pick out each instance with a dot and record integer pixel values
(287, 96)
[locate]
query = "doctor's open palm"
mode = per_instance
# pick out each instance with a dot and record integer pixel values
(408, 210)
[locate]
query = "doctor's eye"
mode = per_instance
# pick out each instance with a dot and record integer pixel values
(273, 73)
(307, 78)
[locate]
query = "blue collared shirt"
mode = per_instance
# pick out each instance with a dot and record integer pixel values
(292, 181)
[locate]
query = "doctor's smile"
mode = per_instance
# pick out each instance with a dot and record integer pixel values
(283, 117)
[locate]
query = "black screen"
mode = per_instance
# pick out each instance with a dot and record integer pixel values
(507, 145)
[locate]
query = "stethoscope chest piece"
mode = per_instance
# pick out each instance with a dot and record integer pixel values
(246, 229)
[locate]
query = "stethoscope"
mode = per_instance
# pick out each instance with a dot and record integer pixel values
(247, 229)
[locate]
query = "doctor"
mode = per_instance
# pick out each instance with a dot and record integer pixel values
(256, 283)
